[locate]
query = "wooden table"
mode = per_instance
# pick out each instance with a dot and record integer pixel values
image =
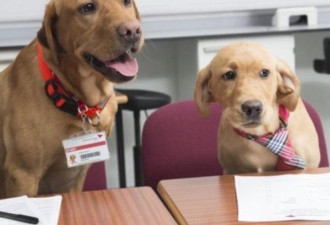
(212, 200)
(129, 206)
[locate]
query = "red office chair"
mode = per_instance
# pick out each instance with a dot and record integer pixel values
(318, 126)
(178, 143)
(96, 178)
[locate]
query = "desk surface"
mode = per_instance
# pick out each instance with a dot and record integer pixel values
(212, 200)
(129, 206)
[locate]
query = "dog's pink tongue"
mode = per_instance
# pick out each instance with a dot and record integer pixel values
(127, 68)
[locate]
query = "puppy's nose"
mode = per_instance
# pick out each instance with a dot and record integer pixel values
(252, 109)
(130, 31)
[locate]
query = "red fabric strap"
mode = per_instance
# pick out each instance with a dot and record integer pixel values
(62, 98)
(279, 143)
(44, 69)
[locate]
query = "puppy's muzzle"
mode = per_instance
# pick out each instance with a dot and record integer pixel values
(252, 109)
(130, 32)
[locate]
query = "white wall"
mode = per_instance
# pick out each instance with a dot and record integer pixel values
(152, 7)
(22, 10)
(315, 86)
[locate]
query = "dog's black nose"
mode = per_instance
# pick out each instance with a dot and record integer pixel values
(252, 109)
(130, 31)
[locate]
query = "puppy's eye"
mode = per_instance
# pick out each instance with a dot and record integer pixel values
(88, 8)
(127, 2)
(230, 75)
(264, 73)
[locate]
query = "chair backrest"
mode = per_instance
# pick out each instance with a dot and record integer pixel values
(178, 143)
(96, 178)
(318, 126)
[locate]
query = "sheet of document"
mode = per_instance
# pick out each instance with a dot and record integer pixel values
(49, 207)
(18, 205)
(283, 197)
(45, 209)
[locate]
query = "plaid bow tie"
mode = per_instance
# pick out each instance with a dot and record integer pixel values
(279, 143)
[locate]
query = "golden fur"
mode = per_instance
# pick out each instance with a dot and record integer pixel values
(32, 159)
(235, 153)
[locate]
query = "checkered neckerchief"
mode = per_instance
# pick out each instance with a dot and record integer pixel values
(279, 143)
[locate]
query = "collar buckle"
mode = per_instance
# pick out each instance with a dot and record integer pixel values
(89, 113)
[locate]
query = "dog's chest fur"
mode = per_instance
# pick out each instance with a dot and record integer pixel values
(239, 155)
(33, 128)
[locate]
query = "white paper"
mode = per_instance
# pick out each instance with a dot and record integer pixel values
(18, 205)
(284, 197)
(49, 207)
(45, 209)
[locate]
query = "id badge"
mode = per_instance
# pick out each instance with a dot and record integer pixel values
(86, 149)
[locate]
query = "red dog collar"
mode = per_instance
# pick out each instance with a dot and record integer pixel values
(278, 143)
(61, 98)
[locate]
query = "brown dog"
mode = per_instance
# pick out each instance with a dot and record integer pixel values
(251, 84)
(86, 44)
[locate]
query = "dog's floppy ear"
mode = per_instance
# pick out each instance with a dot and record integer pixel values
(47, 34)
(203, 96)
(288, 89)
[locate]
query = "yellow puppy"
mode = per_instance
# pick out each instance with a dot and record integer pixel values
(253, 87)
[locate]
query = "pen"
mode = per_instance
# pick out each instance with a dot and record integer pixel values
(20, 217)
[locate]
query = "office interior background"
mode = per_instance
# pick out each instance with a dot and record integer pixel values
(182, 37)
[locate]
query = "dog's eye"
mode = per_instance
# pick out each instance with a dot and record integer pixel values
(127, 2)
(88, 8)
(229, 75)
(264, 73)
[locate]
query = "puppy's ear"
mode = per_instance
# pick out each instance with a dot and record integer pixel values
(47, 34)
(288, 89)
(203, 96)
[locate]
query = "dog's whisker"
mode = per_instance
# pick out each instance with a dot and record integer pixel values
(248, 123)
(91, 61)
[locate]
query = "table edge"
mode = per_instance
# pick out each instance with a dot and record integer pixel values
(173, 209)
